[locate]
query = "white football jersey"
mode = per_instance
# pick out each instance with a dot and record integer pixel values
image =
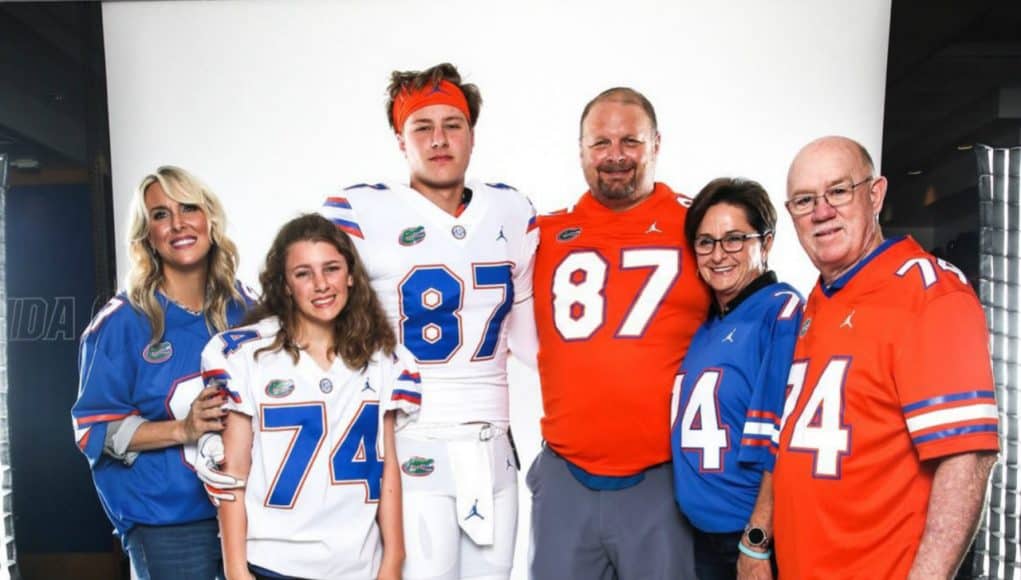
(447, 284)
(317, 451)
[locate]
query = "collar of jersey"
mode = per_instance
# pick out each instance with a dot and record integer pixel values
(765, 279)
(845, 279)
(589, 202)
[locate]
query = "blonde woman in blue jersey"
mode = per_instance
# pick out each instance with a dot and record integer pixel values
(728, 395)
(141, 405)
(314, 388)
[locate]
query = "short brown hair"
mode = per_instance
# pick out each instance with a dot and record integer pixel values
(359, 331)
(746, 194)
(414, 80)
(625, 95)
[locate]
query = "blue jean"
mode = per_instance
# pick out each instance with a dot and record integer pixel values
(185, 551)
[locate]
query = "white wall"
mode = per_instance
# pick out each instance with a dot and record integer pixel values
(276, 104)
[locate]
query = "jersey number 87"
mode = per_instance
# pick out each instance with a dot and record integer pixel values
(579, 290)
(431, 298)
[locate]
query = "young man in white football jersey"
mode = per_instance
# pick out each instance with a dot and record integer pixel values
(452, 263)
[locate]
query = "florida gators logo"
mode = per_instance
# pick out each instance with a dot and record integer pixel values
(412, 236)
(158, 352)
(279, 388)
(418, 466)
(568, 234)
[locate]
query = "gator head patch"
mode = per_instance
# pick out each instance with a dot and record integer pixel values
(159, 352)
(418, 466)
(568, 234)
(412, 236)
(279, 388)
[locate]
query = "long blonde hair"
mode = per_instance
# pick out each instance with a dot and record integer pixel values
(146, 273)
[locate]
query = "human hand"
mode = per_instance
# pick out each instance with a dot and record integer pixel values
(216, 482)
(205, 414)
(751, 569)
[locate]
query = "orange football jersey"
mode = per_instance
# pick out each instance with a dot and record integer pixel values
(617, 299)
(891, 369)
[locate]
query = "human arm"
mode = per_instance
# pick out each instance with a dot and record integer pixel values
(769, 398)
(237, 442)
(390, 516)
(204, 415)
(749, 568)
(955, 507)
(522, 337)
(947, 390)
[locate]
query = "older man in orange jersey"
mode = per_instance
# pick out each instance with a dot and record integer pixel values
(889, 430)
(617, 299)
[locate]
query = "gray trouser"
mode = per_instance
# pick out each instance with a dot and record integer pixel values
(578, 533)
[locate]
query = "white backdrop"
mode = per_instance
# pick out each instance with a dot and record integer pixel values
(276, 104)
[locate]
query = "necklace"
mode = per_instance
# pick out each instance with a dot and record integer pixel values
(183, 307)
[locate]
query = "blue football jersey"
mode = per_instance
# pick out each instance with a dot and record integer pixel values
(728, 399)
(121, 374)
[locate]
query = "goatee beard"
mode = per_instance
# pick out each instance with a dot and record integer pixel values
(617, 190)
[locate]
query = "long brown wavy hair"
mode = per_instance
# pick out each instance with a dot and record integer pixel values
(359, 331)
(146, 271)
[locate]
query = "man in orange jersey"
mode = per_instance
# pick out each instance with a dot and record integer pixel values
(617, 299)
(889, 429)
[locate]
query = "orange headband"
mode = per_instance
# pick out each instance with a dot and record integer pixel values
(444, 93)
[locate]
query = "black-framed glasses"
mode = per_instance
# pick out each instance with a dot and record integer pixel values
(836, 196)
(731, 243)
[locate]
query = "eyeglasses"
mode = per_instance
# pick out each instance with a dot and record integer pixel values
(731, 243)
(836, 196)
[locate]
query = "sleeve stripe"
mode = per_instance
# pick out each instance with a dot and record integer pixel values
(338, 202)
(948, 399)
(84, 440)
(348, 227)
(951, 415)
(220, 378)
(80, 422)
(410, 396)
(768, 416)
(953, 433)
(215, 374)
(756, 442)
(408, 376)
(752, 429)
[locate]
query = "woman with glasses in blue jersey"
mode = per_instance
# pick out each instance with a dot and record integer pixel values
(728, 395)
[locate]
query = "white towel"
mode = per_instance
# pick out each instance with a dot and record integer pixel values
(473, 477)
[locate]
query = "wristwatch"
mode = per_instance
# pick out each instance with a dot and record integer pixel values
(756, 537)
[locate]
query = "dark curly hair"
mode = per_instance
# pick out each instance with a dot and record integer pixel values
(360, 330)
